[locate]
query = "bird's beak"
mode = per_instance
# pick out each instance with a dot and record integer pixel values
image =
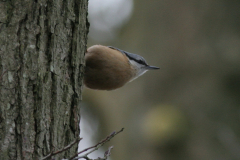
(152, 67)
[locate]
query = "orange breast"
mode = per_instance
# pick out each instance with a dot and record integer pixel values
(106, 69)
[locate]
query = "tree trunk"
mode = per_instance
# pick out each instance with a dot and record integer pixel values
(42, 45)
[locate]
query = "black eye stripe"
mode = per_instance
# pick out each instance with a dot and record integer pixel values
(139, 61)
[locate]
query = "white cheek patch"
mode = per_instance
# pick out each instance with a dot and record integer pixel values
(140, 69)
(138, 75)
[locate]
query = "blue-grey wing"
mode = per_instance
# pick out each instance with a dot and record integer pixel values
(131, 56)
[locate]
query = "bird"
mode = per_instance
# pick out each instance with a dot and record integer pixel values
(109, 68)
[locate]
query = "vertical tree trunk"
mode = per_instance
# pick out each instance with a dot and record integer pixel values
(42, 45)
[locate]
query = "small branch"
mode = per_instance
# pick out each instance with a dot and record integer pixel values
(63, 149)
(106, 155)
(108, 152)
(96, 147)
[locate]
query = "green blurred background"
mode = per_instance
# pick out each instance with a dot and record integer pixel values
(190, 108)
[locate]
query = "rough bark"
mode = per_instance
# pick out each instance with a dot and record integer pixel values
(42, 45)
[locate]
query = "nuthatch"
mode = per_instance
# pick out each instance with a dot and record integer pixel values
(108, 68)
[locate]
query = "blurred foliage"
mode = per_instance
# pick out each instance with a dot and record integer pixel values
(197, 46)
(165, 125)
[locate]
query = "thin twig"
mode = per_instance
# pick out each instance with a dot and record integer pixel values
(106, 155)
(95, 147)
(63, 149)
(108, 152)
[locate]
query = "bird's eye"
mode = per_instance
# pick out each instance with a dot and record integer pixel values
(141, 61)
